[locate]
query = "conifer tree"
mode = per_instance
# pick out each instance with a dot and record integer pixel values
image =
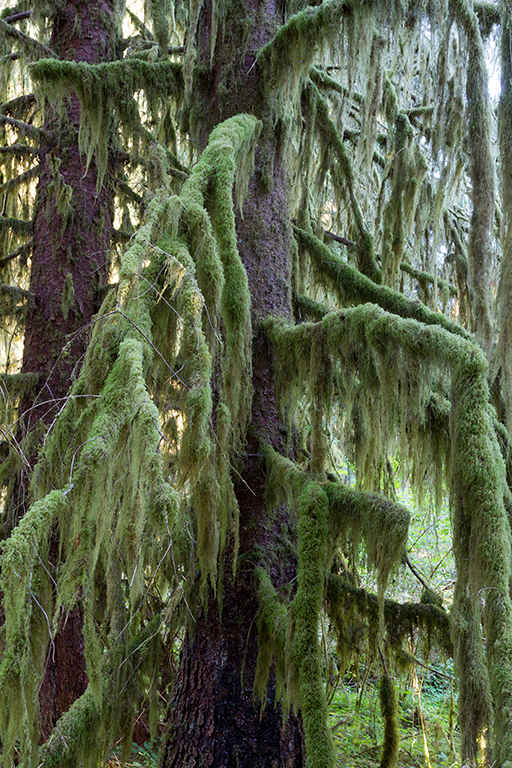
(235, 235)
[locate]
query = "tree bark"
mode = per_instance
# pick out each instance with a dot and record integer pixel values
(70, 260)
(213, 717)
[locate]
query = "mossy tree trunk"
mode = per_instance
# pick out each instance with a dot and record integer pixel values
(72, 228)
(215, 719)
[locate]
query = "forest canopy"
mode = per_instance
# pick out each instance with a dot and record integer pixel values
(256, 276)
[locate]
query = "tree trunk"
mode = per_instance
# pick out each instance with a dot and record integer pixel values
(70, 259)
(213, 717)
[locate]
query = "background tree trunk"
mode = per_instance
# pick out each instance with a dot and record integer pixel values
(70, 261)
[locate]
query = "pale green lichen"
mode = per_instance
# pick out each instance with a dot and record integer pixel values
(106, 94)
(481, 528)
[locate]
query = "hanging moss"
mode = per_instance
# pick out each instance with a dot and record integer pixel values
(105, 91)
(367, 263)
(272, 630)
(365, 516)
(355, 287)
(447, 289)
(354, 613)
(481, 534)
(501, 367)
(291, 52)
(482, 178)
(407, 172)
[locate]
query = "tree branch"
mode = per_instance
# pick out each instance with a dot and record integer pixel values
(25, 129)
(29, 43)
(17, 17)
(32, 173)
(23, 250)
(20, 150)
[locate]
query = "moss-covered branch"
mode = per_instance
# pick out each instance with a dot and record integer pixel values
(290, 54)
(19, 226)
(478, 482)
(355, 287)
(349, 604)
(382, 524)
(33, 48)
(72, 736)
(25, 129)
(19, 150)
(106, 93)
(22, 178)
(305, 613)
(426, 277)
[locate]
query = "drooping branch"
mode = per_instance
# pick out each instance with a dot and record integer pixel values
(106, 93)
(481, 526)
(355, 287)
(25, 129)
(32, 47)
(290, 54)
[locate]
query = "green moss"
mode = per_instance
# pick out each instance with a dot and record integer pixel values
(106, 95)
(289, 55)
(353, 287)
(389, 711)
(355, 515)
(482, 178)
(354, 613)
(272, 630)
(67, 744)
(305, 613)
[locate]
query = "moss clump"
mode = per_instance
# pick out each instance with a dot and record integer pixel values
(272, 631)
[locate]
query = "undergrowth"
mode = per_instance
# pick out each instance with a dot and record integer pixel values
(424, 723)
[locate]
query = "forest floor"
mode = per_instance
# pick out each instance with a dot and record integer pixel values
(356, 723)
(424, 724)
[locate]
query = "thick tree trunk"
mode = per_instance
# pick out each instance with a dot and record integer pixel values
(213, 718)
(72, 229)
(72, 226)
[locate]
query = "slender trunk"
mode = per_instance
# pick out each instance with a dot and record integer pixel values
(214, 719)
(72, 228)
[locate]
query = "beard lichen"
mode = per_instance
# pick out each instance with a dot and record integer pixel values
(481, 527)
(101, 489)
